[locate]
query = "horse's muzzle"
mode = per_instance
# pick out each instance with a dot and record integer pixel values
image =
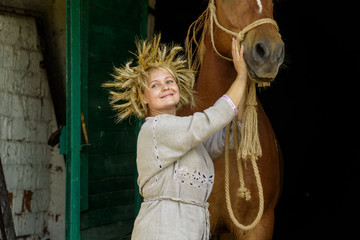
(264, 58)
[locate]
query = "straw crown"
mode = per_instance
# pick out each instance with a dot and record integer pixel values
(129, 81)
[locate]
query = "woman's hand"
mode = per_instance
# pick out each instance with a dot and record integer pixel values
(238, 59)
(238, 90)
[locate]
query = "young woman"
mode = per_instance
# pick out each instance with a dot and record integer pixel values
(176, 172)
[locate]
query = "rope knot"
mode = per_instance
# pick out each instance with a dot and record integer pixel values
(240, 36)
(244, 192)
(212, 7)
(251, 104)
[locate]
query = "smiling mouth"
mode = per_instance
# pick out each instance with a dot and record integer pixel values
(167, 95)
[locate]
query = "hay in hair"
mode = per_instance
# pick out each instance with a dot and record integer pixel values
(129, 83)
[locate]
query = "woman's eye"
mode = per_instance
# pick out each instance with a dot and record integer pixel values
(170, 81)
(154, 85)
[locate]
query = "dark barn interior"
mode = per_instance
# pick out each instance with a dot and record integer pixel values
(312, 107)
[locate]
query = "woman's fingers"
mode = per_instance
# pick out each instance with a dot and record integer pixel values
(242, 53)
(238, 59)
(235, 50)
(238, 56)
(242, 60)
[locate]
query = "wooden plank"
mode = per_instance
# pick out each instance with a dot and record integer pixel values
(102, 29)
(107, 166)
(112, 142)
(116, 16)
(90, 219)
(120, 6)
(118, 46)
(84, 186)
(104, 119)
(118, 230)
(73, 94)
(113, 184)
(84, 183)
(118, 198)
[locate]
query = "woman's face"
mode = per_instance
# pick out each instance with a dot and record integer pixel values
(162, 94)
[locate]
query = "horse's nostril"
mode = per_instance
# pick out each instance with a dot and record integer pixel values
(259, 53)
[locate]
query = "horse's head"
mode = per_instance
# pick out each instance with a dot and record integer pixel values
(250, 21)
(264, 49)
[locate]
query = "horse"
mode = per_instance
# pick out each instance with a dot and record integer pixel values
(251, 21)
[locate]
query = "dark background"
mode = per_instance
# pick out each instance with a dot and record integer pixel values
(313, 107)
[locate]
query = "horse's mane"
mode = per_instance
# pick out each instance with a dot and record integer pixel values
(194, 42)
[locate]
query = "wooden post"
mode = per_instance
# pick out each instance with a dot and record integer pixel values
(73, 118)
(6, 221)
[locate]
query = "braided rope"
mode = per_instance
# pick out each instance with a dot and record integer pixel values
(242, 191)
(240, 35)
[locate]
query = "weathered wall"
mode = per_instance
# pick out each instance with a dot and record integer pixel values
(53, 15)
(34, 172)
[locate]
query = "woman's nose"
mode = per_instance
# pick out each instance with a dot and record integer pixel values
(165, 87)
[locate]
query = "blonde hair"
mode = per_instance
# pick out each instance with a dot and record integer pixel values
(130, 81)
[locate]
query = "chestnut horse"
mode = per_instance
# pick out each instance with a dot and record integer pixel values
(264, 53)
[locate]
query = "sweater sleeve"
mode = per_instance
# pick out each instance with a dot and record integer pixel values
(174, 136)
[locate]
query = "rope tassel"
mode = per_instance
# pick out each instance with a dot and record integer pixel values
(250, 143)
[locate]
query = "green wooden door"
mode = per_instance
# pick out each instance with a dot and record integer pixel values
(102, 195)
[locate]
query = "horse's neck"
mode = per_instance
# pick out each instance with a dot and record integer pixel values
(215, 78)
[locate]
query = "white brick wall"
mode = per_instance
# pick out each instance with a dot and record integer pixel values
(34, 172)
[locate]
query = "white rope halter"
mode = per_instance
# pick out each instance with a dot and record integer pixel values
(240, 35)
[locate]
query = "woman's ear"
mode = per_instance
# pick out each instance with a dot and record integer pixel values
(144, 98)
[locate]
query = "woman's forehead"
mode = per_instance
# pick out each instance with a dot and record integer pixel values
(159, 73)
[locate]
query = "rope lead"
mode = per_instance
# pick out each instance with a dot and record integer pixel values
(249, 148)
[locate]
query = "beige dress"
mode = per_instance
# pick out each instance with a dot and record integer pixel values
(176, 173)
